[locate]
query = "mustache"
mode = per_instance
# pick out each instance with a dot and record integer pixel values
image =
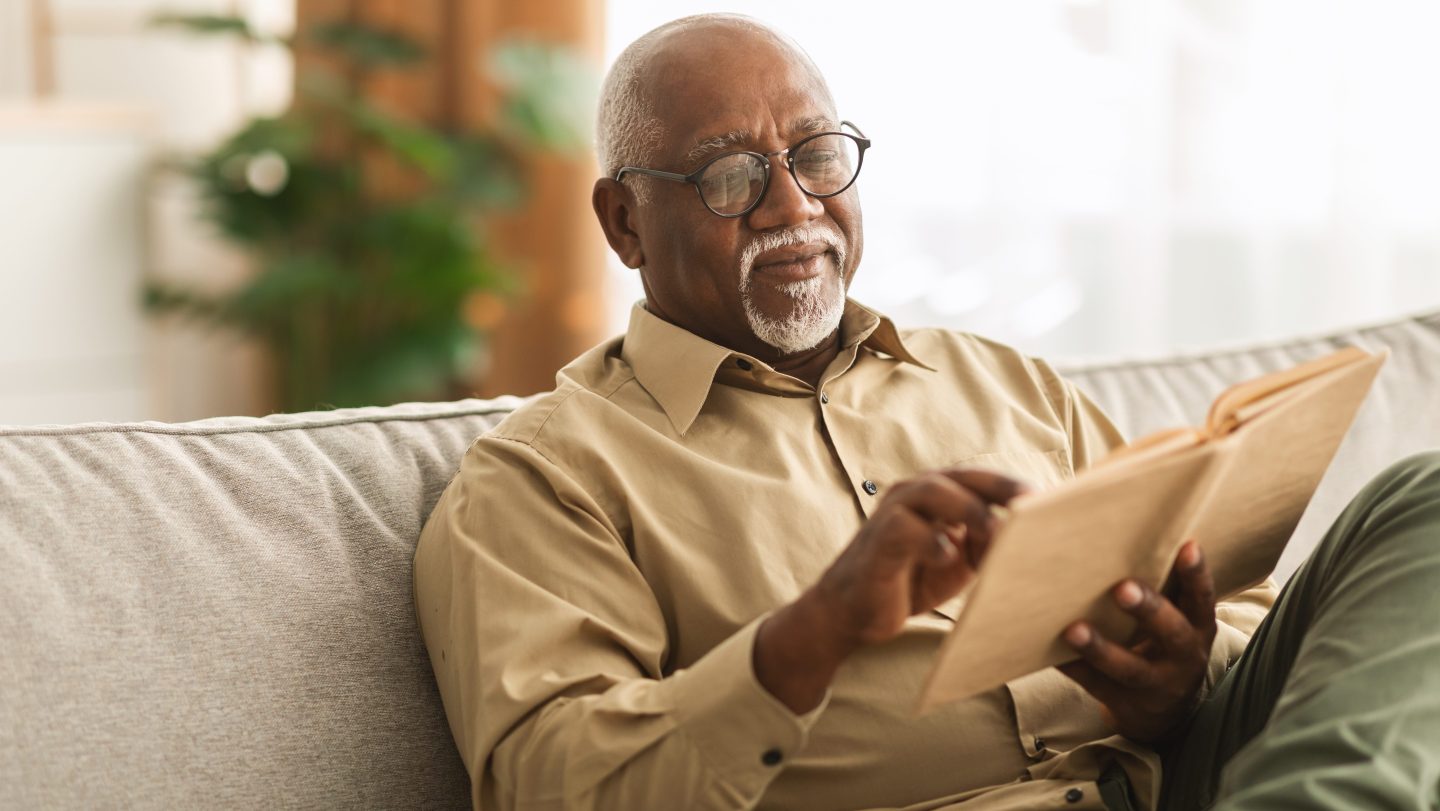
(800, 235)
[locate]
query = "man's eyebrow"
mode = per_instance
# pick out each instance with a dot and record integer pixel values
(716, 143)
(815, 123)
(808, 125)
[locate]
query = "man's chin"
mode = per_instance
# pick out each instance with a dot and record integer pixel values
(777, 296)
(796, 316)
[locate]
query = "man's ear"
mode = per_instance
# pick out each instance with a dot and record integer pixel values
(615, 207)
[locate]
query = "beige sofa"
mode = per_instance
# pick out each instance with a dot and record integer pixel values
(218, 613)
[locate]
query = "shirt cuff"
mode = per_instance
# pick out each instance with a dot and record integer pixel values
(1229, 643)
(746, 734)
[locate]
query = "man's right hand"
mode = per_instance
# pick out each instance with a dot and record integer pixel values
(920, 547)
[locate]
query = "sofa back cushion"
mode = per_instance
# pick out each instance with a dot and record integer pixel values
(219, 613)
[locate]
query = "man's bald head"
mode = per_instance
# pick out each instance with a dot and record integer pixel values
(630, 126)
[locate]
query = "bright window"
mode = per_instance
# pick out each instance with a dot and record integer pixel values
(1102, 177)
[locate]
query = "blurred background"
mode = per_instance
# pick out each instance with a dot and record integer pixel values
(216, 207)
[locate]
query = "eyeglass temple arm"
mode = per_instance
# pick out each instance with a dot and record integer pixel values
(620, 173)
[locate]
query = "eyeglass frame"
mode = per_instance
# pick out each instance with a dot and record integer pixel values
(694, 177)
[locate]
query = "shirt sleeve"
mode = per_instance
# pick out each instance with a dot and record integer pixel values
(1091, 432)
(1236, 621)
(550, 651)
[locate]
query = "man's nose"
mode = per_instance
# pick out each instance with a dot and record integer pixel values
(785, 203)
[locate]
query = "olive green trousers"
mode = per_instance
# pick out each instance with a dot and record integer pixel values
(1336, 700)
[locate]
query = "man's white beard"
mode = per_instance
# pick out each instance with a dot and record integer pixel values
(816, 313)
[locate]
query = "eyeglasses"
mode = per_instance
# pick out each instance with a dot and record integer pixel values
(733, 184)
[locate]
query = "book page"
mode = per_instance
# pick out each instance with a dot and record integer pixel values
(1160, 443)
(1244, 400)
(1054, 562)
(1273, 463)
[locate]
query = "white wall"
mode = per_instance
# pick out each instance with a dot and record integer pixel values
(123, 97)
(72, 343)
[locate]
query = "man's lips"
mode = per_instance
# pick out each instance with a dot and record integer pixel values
(791, 253)
(793, 264)
(794, 270)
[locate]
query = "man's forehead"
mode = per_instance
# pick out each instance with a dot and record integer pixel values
(717, 86)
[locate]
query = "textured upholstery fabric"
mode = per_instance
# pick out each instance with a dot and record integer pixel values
(1401, 416)
(220, 612)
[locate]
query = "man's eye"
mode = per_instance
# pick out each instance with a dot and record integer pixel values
(820, 156)
(819, 160)
(727, 185)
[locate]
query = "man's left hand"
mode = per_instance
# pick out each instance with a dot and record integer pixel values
(1148, 686)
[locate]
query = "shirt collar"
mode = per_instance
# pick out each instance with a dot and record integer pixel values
(678, 367)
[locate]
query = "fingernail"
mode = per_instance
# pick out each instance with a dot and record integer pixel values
(945, 550)
(1192, 555)
(1129, 594)
(1078, 636)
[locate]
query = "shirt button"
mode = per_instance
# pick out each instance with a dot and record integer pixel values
(772, 757)
(744, 364)
(824, 398)
(870, 487)
(1039, 746)
(1074, 795)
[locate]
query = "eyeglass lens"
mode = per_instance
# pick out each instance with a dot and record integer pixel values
(824, 165)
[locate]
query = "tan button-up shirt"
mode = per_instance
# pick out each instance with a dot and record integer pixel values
(590, 583)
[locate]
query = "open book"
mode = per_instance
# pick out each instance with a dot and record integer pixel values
(1238, 486)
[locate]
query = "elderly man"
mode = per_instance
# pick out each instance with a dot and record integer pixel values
(711, 568)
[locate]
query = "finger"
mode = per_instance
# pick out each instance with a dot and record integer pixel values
(931, 565)
(901, 539)
(1184, 558)
(937, 582)
(1158, 617)
(993, 487)
(1102, 687)
(949, 545)
(938, 500)
(1196, 588)
(908, 546)
(970, 547)
(982, 545)
(1111, 660)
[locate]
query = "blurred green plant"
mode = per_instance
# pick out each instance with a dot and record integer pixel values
(360, 293)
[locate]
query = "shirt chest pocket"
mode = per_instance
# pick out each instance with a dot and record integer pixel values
(1041, 470)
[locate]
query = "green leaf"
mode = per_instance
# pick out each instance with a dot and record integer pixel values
(427, 150)
(551, 93)
(165, 298)
(486, 174)
(417, 362)
(367, 46)
(291, 136)
(315, 190)
(212, 24)
(273, 294)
